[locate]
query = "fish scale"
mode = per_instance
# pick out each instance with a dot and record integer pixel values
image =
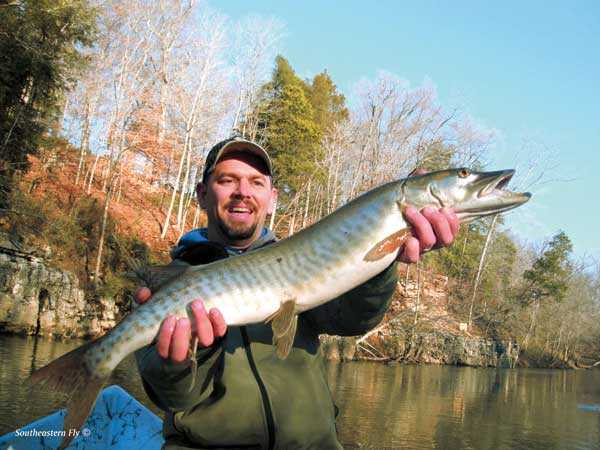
(318, 264)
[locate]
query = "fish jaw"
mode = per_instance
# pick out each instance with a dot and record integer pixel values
(472, 195)
(488, 196)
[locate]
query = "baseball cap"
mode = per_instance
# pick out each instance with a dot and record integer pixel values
(231, 145)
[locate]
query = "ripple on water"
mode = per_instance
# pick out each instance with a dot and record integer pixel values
(383, 407)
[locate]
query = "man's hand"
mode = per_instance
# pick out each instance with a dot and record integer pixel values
(431, 228)
(175, 333)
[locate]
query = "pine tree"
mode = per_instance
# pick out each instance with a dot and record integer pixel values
(329, 105)
(549, 275)
(288, 130)
(40, 49)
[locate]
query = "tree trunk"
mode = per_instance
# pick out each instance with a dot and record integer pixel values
(85, 141)
(103, 224)
(272, 220)
(184, 185)
(92, 173)
(536, 307)
(292, 224)
(174, 193)
(488, 238)
(306, 204)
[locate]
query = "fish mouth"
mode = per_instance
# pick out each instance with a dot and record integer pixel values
(496, 182)
(490, 195)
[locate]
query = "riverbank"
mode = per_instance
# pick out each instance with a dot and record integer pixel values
(39, 300)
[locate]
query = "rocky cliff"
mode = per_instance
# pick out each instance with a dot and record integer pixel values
(38, 299)
(419, 328)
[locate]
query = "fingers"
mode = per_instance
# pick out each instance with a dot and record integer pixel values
(422, 229)
(218, 322)
(142, 294)
(175, 334)
(180, 342)
(441, 226)
(165, 335)
(203, 328)
(452, 220)
(430, 227)
(411, 251)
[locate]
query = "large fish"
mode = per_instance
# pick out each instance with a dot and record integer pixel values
(279, 281)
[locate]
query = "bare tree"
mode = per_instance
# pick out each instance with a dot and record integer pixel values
(254, 46)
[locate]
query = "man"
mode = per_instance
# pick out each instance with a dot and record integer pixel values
(244, 396)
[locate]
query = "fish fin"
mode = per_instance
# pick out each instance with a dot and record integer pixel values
(283, 323)
(388, 245)
(194, 368)
(284, 343)
(70, 374)
(154, 277)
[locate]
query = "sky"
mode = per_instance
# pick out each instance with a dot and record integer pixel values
(529, 70)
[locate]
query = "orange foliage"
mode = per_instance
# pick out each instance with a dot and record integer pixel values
(136, 212)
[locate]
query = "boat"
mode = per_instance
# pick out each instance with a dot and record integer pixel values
(117, 422)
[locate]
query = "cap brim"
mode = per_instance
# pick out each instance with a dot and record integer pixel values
(245, 146)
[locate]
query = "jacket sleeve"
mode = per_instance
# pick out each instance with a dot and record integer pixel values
(358, 310)
(168, 383)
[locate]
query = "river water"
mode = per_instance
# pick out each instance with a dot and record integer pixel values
(384, 407)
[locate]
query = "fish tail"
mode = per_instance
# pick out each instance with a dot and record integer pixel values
(70, 375)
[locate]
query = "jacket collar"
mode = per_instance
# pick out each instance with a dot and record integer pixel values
(199, 237)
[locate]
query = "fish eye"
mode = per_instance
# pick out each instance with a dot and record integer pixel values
(463, 173)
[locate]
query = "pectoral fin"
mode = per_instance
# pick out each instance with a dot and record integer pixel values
(283, 324)
(194, 362)
(388, 245)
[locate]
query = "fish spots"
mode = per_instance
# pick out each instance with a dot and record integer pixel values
(279, 259)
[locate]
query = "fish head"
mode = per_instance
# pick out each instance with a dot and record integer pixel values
(471, 194)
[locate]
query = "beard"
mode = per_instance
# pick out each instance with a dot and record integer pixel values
(236, 232)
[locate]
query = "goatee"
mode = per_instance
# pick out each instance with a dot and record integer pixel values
(237, 233)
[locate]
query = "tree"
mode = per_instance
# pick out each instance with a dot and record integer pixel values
(40, 51)
(548, 278)
(550, 272)
(287, 128)
(328, 104)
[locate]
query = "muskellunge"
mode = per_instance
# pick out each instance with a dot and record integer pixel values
(278, 282)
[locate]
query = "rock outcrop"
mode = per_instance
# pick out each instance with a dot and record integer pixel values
(418, 328)
(426, 348)
(37, 299)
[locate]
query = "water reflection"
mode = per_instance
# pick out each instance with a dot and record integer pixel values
(383, 407)
(453, 407)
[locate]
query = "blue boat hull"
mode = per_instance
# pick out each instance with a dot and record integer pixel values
(118, 422)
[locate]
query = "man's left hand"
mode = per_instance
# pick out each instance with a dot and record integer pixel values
(431, 228)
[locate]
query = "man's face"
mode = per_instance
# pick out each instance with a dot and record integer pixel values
(237, 197)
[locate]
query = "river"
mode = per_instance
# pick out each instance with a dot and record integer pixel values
(385, 407)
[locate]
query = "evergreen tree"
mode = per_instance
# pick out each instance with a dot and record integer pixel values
(549, 275)
(287, 128)
(40, 48)
(329, 105)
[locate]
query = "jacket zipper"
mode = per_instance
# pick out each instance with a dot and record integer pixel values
(262, 388)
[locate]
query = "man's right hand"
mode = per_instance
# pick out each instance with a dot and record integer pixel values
(175, 333)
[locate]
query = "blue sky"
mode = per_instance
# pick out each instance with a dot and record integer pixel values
(530, 70)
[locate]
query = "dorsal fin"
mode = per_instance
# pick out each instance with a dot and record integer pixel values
(154, 277)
